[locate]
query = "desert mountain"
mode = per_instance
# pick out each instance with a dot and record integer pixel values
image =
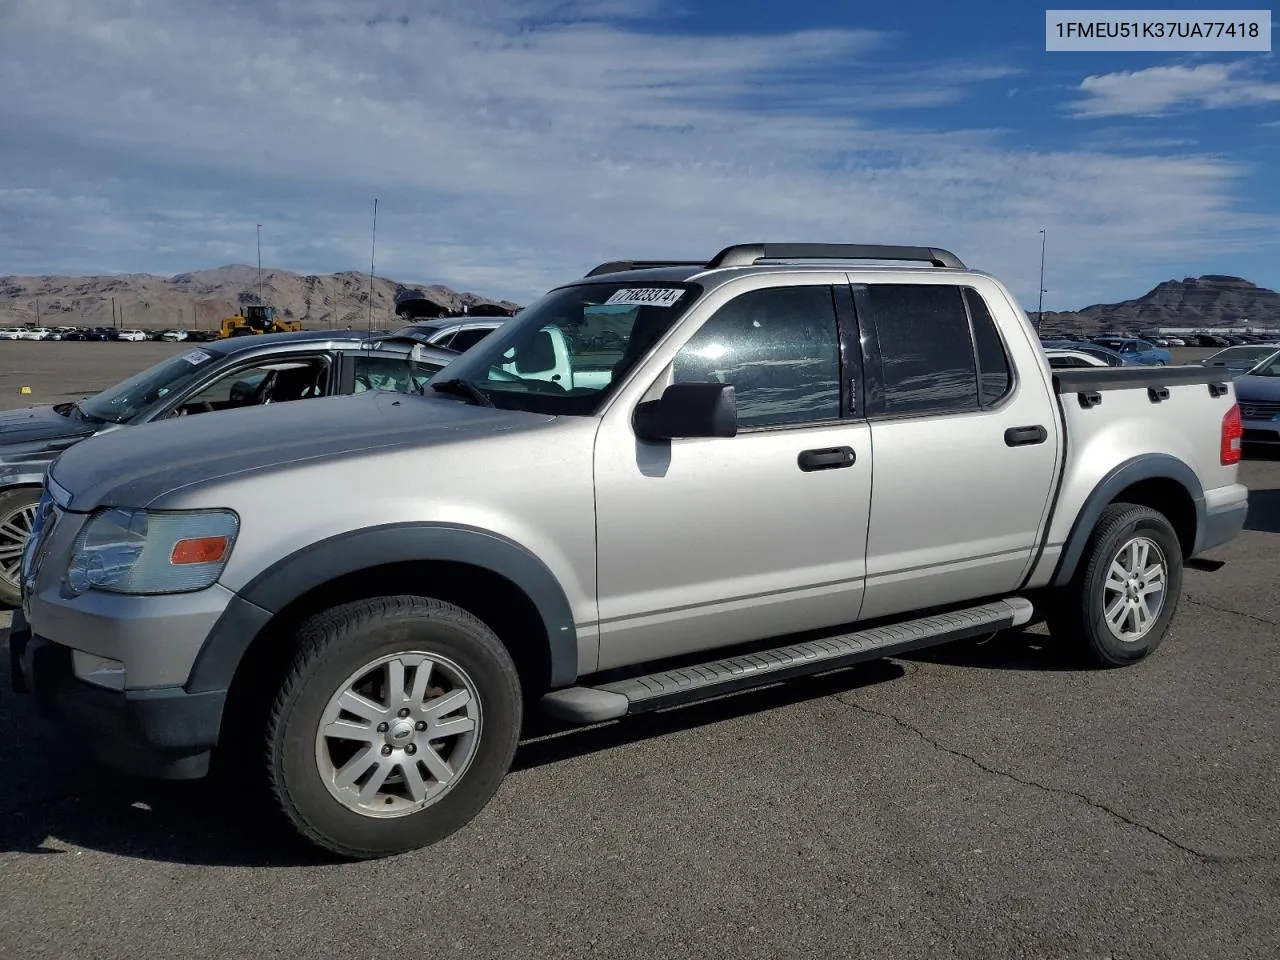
(1201, 302)
(199, 300)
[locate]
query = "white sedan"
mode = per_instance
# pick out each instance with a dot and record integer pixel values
(1066, 359)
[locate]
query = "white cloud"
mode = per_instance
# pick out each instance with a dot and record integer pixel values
(513, 144)
(1158, 90)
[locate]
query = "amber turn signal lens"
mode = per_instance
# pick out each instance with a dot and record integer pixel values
(199, 550)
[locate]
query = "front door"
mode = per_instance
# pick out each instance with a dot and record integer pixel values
(707, 542)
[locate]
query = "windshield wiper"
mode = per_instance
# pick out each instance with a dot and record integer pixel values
(464, 388)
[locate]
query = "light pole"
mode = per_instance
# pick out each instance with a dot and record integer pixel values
(1040, 306)
(260, 263)
(373, 248)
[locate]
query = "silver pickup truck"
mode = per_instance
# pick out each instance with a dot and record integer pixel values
(785, 460)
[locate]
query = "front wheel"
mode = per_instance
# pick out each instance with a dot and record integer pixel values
(1119, 604)
(394, 726)
(17, 518)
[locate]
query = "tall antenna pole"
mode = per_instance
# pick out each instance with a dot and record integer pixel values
(1040, 308)
(373, 247)
(259, 263)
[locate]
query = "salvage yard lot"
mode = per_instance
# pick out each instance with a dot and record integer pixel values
(980, 801)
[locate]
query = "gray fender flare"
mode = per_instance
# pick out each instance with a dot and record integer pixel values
(1152, 466)
(291, 577)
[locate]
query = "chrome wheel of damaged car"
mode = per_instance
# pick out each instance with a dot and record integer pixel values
(398, 734)
(1134, 590)
(17, 521)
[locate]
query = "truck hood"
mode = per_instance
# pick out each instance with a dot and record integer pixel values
(135, 467)
(1257, 388)
(35, 427)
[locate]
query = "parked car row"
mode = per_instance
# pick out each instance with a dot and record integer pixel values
(102, 334)
(1083, 353)
(1228, 339)
(661, 483)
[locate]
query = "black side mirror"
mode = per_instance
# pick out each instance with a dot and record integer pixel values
(689, 410)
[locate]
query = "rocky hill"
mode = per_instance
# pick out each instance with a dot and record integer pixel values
(201, 299)
(1202, 302)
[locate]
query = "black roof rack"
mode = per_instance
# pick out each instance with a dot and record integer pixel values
(746, 254)
(619, 266)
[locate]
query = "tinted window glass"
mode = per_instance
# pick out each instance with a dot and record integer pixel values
(995, 378)
(466, 339)
(925, 347)
(780, 350)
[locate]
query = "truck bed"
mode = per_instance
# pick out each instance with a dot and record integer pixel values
(1136, 425)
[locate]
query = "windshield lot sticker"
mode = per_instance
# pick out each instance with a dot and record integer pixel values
(196, 357)
(652, 296)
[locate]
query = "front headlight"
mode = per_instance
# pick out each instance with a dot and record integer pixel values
(145, 552)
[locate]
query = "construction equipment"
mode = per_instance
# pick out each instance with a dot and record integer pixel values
(253, 319)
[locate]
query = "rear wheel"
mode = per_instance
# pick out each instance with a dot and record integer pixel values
(394, 726)
(1119, 604)
(17, 518)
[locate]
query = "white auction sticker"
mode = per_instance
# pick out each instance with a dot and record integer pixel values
(197, 357)
(652, 296)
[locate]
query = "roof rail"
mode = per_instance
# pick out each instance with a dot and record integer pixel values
(618, 266)
(745, 254)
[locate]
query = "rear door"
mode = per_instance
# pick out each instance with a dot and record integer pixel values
(966, 447)
(713, 541)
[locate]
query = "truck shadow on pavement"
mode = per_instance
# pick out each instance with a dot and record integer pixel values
(1264, 511)
(1017, 649)
(60, 807)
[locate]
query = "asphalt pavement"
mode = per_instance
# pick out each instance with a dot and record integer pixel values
(987, 801)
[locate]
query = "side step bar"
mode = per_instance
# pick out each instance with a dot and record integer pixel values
(609, 701)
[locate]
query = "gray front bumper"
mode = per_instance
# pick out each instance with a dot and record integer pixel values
(162, 732)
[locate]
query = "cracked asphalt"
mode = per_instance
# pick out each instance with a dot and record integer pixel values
(976, 801)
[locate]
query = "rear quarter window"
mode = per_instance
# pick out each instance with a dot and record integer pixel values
(995, 374)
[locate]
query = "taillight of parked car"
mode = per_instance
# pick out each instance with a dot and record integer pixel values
(1232, 434)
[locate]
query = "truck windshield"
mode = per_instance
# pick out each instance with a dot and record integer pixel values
(567, 352)
(128, 398)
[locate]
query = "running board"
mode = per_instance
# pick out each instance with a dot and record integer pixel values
(609, 701)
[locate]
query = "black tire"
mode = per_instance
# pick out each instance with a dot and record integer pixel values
(1077, 613)
(16, 507)
(335, 644)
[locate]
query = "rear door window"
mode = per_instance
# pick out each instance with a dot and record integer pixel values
(926, 349)
(394, 373)
(995, 373)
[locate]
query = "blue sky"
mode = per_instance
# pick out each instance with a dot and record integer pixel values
(512, 144)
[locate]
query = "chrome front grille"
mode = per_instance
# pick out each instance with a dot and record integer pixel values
(1259, 409)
